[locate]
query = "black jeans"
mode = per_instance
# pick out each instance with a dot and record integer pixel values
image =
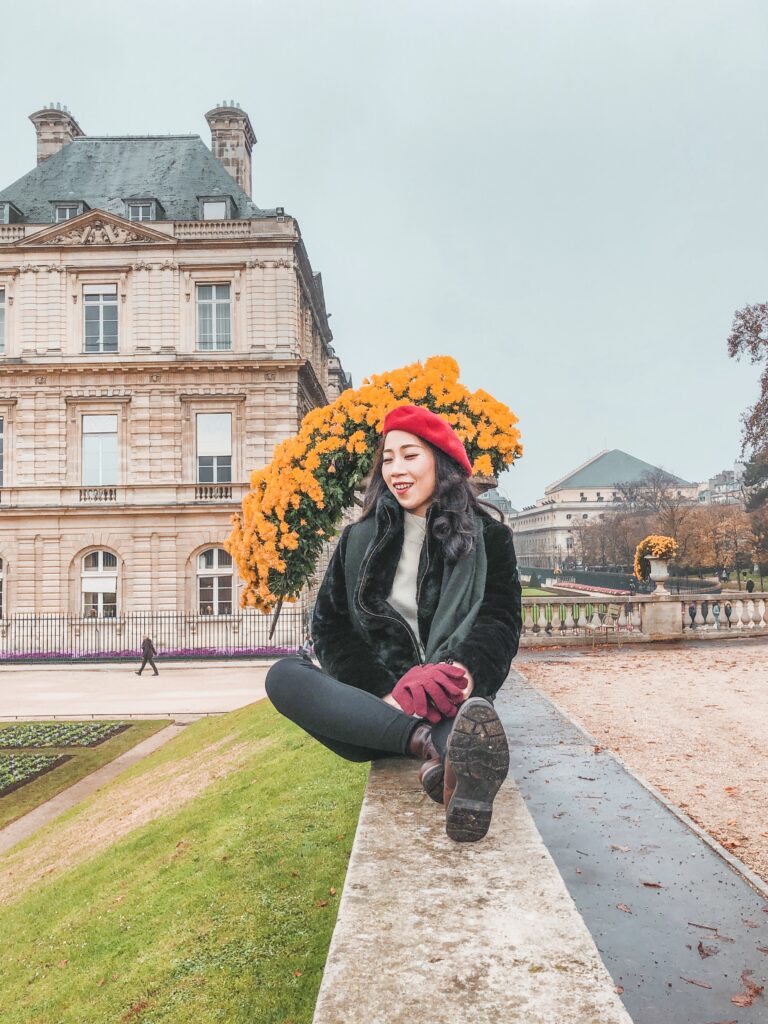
(148, 658)
(350, 722)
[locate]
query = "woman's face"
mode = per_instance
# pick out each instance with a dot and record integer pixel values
(408, 469)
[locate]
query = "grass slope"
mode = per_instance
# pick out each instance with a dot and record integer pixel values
(82, 761)
(221, 909)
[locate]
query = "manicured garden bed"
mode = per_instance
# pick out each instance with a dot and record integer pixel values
(66, 762)
(59, 734)
(17, 770)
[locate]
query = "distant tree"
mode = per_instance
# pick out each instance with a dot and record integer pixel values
(755, 483)
(749, 337)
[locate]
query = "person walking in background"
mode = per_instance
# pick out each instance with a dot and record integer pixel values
(750, 586)
(148, 653)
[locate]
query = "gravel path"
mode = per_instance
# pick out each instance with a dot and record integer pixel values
(692, 720)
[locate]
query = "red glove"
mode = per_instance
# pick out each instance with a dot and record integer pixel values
(431, 691)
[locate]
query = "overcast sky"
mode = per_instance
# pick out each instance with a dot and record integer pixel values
(568, 196)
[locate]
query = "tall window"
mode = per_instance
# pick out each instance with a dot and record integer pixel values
(2, 320)
(100, 306)
(214, 447)
(2, 449)
(99, 463)
(214, 582)
(1, 588)
(99, 585)
(214, 319)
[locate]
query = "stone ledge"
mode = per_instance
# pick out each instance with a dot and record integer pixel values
(432, 932)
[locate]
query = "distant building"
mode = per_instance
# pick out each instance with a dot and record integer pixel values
(159, 335)
(502, 503)
(724, 488)
(545, 533)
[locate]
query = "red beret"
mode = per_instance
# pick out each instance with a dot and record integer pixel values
(424, 423)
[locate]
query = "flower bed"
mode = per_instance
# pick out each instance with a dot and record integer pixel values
(19, 769)
(59, 734)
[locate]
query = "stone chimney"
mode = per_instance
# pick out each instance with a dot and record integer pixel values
(232, 139)
(55, 127)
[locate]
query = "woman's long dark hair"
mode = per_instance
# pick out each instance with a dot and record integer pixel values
(454, 497)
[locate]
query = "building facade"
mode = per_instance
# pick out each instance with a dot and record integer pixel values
(546, 532)
(159, 335)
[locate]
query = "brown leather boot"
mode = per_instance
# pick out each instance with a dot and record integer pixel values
(420, 744)
(423, 749)
(476, 765)
(431, 779)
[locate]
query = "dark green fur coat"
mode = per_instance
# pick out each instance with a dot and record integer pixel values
(370, 646)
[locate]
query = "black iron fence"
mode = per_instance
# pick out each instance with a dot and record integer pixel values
(65, 638)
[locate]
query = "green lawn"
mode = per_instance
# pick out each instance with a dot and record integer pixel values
(82, 761)
(220, 910)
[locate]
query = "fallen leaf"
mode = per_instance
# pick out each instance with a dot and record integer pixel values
(295, 874)
(596, 750)
(653, 885)
(762, 949)
(705, 951)
(332, 892)
(624, 907)
(62, 963)
(619, 989)
(692, 981)
(752, 991)
(100, 982)
(621, 849)
(321, 903)
(750, 924)
(297, 974)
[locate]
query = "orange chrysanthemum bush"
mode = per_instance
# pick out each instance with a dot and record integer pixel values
(296, 502)
(657, 546)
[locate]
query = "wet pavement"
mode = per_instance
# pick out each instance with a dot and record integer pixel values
(681, 932)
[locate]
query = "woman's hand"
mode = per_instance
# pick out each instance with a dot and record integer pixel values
(389, 699)
(431, 691)
(467, 692)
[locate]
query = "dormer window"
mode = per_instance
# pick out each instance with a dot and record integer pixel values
(143, 209)
(66, 211)
(216, 207)
(9, 214)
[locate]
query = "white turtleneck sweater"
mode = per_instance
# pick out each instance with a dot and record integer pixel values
(403, 595)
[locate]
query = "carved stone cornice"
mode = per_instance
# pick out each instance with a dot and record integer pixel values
(95, 229)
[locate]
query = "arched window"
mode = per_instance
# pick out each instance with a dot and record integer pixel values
(214, 582)
(1, 588)
(99, 585)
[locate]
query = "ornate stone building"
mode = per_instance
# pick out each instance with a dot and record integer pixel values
(159, 334)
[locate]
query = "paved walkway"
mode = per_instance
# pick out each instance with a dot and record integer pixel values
(590, 900)
(115, 691)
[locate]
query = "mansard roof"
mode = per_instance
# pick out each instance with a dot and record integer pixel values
(104, 172)
(608, 468)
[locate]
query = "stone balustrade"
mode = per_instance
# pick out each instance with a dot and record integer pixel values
(54, 496)
(733, 612)
(558, 620)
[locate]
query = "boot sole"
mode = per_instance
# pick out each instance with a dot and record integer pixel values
(479, 757)
(432, 783)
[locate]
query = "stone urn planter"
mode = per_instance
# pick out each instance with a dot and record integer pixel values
(659, 575)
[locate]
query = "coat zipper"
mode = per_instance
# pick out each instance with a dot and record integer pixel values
(382, 615)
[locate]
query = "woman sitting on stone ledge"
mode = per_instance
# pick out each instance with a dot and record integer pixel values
(416, 623)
